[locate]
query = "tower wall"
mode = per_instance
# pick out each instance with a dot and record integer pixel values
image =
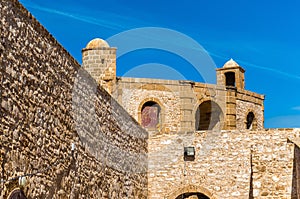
(232, 78)
(99, 60)
(230, 109)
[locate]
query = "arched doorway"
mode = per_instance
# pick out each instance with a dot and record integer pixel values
(17, 194)
(208, 115)
(190, 192)
(192, 196)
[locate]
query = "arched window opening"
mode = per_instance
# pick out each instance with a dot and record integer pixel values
(192, 196)
(230, 78)
(150, 115)
(208, 115)
(250, 124)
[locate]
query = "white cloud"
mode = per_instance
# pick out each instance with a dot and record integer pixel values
(104, 21)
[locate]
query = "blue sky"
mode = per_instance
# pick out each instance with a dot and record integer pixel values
(262, 36)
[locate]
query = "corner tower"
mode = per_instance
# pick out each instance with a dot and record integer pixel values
(233, 78)
(231, 75)
(99, 59)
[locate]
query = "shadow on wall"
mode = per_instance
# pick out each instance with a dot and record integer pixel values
(296, 174)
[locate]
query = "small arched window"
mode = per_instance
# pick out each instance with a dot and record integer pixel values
(150, 115)
(250, 124)
(230, 78)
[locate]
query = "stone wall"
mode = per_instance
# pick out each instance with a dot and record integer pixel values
(49, 104)
(242, 110)
(228, 164)
(179, 100)
(71, 139)
(272, 163)
(134, 92)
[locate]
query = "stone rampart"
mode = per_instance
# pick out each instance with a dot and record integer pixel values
(49, 106)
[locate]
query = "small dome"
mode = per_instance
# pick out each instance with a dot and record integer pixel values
(231, 63)
(97, 43)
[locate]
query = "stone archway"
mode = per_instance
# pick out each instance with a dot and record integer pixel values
(190, 192)
(192, 196)
(17, 194)
(208, 116)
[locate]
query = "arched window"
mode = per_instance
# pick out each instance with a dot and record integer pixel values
(150, 115)
(230, 78)
(208, 115)
(250, 124)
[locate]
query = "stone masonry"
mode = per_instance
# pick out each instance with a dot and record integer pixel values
(178, 100)
(49, 105)
(68, 131)
(235, 157)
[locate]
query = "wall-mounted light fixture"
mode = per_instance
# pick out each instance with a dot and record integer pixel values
(189, 153)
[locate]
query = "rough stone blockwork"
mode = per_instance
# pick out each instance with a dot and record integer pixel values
(228, 164)
(43, 113)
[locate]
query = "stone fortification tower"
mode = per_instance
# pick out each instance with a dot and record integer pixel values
(232, 77)
(99, 59)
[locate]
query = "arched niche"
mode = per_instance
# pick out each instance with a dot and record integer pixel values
(251, 122)
(150, 114)
(208, 115)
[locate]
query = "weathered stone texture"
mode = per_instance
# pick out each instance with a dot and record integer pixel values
(228, 164)
(38, 122)
(135, 94)
(243, 108)
(48, 103)
(100, 62)
(179, 100)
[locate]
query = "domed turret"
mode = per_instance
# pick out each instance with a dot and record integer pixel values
(230, 64)
(99, 59)
(97, 43)
(231, 75)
